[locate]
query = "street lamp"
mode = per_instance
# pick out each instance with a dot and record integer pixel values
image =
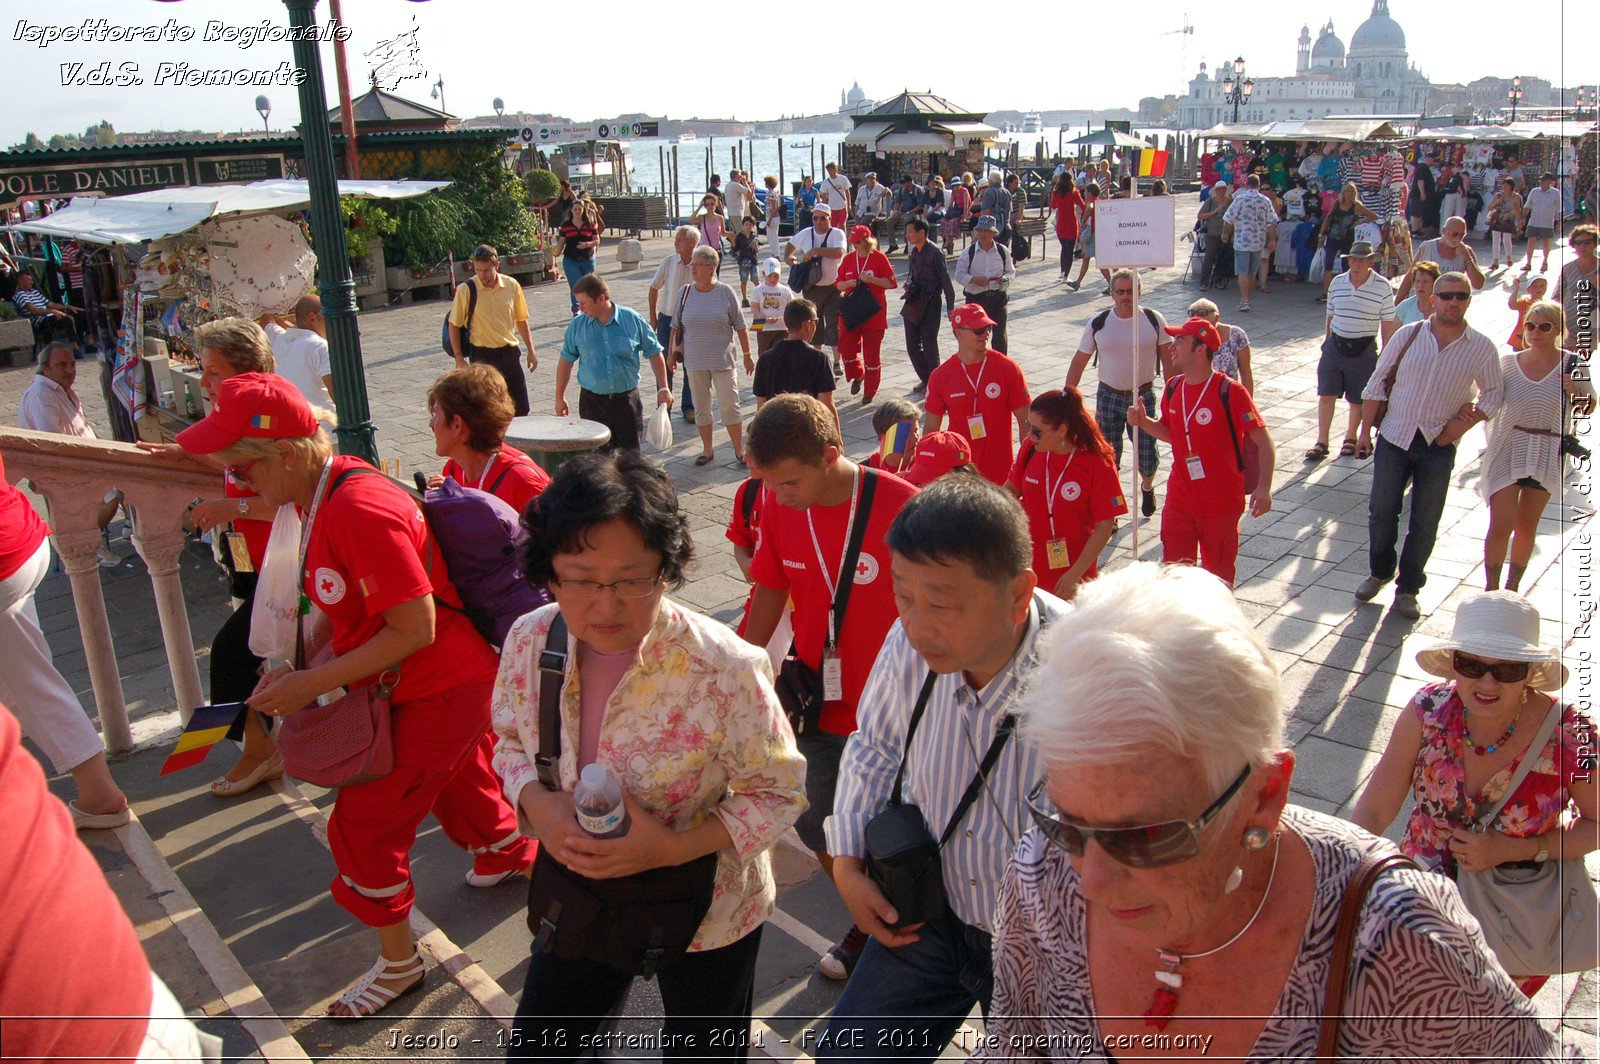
(264, 108)
(1514, 94)
(438, 92)
(1236, 88)
(499, 109)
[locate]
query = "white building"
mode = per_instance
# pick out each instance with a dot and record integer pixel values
(1374, 77)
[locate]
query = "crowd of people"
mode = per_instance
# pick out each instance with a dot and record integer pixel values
(932, 682)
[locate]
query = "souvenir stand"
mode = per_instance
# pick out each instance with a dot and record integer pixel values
(175, 258)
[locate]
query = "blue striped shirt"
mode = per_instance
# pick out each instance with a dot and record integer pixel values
(955, 732)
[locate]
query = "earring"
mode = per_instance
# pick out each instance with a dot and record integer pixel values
(1256, 838)
(1235, 878)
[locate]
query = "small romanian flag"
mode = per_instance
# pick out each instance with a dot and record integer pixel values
(205, 729)
(1151, 163)
(261, 421)
(1119, 502)
(368, 586)
(897, 440)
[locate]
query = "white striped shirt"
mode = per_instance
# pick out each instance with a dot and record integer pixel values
(1433, 385)
(1357, 312)
(955, 732)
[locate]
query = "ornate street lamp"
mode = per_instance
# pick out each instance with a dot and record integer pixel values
(1236, 88)
(1514, 94)
(438, 92)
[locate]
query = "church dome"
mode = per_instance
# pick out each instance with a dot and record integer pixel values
(1380, 33)
(1328, 46)
(856, 96)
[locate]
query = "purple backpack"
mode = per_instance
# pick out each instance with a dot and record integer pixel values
(481, 538)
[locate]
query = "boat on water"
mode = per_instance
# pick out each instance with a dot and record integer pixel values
(687, 138)
(1033, 122)
(601, 166)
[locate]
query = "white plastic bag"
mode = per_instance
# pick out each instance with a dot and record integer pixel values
(658, 431)
(276, 612)
(1318, 268)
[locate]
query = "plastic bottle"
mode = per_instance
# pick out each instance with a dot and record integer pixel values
(598, 798)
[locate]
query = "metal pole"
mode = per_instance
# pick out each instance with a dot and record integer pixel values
(352, 159)
(676, 200)
(781, 186)
(338, 291)
(661, 167)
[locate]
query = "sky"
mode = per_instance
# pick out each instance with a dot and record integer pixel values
(1084, 56)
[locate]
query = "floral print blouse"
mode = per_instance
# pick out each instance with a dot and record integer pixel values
(693, 730)
(1439, 779)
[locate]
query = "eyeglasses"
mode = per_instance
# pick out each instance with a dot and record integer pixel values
(241, 474)
(1473, 669)
(585, 590)
(1539, 326)
(1148, 846)
(1121, 292)
(1036, 432)
(1462, 296)
(1582, 242)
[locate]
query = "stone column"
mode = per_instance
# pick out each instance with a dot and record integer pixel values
(78, 556)
(159, 538)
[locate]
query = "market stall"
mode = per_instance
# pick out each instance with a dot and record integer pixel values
(180, 257)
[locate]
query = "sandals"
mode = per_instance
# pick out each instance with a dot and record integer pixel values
(366, 998)
(704, 459)
(1348, 448)
(1362, 454)
(268, 770)
(1317, 453)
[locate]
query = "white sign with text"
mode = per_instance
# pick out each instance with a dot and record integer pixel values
(1134, 232)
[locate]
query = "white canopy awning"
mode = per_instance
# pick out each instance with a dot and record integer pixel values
(964, 131)
(144, 216)
(915, 140)
(868, 133)
(1357, 129)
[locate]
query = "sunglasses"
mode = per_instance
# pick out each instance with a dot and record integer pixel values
(1462, 296)
(1473, 669)
(1147, 846)
(1582, 243)
(1538, 326)
(241, 475)
(1036, 432)
(985, 331)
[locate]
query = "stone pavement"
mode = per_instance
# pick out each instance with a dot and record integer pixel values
(1348, 669)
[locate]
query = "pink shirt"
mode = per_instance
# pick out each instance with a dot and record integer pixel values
(599, 675)
(48, 407)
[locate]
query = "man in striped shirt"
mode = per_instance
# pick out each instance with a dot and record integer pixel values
(970, 617)
(1428, 373)
(1360, 308)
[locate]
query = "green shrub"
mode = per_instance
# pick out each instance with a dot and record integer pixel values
(543, 186)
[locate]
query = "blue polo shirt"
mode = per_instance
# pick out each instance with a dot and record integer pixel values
(609, 355)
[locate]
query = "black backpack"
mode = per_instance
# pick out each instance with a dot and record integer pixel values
(1098, 322)
(466, 330)
(749, 492)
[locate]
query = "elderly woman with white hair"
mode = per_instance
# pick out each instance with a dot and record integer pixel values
(705, 318)
(1170, 892)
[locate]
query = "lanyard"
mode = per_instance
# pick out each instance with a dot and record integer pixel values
(977, 385)
(305, 533)
(487, 467)
(1183, 397)
(822, 565)
(1054, 490)
(861, 268)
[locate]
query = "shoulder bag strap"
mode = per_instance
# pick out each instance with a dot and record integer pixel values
(1524, 765)
(1008, 724)
(852, 552)
(911, 730)
(503, 474)
(472, 301)
(1344, 941)
(1394, 370)
(552, 673)
(1227, 415)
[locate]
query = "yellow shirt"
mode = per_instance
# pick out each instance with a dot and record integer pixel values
(494, 321)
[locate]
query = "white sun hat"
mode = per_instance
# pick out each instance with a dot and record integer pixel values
(1500, 626)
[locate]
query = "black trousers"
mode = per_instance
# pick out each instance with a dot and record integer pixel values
(707, 997)
(922, 338)
(234, 670)
(621, 412)
(1068, 249)
(508, 360)
(995, 304)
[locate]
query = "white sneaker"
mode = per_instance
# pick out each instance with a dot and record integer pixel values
(108, 558)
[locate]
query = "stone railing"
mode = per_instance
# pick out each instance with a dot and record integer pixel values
(74, 475)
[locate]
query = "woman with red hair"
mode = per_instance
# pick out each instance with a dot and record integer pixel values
(1066, 477)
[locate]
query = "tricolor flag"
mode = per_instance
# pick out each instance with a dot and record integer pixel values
(261, 421)
(1150, 163)
(1118, 502)
(205, 729)
(897, 439)
(368, 586)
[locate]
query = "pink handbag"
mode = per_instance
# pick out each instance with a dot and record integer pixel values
(345, 742)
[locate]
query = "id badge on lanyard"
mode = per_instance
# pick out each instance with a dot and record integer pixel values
(238, 552)
(832, 674)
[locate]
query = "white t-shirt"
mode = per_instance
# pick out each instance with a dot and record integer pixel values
(739, 197)
(836, 192)
(807, 238)
(302, 358)
(1114, 344)
(1543, 207)
(767, 302)
(1294, 205)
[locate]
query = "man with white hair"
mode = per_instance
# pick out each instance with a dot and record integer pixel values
(671, 276)
(1451, 251)
(823, 244)
(996, 203)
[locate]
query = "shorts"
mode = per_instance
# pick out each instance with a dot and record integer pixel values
(1245, 263)
(1330, 257)
(1343, 374)
(1529, 482)
(823, 752)
(1541, 232)
(1086, 246)
(747, 273)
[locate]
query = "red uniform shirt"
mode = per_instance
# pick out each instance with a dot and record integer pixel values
(875, 461)
(1066, 208)
(992, 391)
(1064, 498)
(255, 531)
(1220, 492)
(368, 553)
(21, 527)
(877, 264)
(511, 476)
(788, 560)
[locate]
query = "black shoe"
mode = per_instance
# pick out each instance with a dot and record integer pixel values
(1147, 501)
(838, 370)
(892, 249)
(840, 960)
(855, 386)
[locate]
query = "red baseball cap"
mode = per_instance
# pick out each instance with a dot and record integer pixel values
(251, 405)
(1201, 328)
(858, 233)
(971, 316)
(937, 454)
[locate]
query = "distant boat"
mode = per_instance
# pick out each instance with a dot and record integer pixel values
(1033, 123)
(687, 138)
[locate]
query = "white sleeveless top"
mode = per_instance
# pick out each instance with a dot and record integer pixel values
(1512, 455)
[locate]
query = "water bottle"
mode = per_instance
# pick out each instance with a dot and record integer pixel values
(598, 798)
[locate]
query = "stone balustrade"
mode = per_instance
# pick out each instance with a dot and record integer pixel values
(73, 475)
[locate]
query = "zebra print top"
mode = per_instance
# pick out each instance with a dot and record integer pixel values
(1424, 985)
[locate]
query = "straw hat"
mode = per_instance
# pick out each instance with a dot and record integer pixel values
(1501, 626)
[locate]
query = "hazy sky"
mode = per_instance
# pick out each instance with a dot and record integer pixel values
(622, 57)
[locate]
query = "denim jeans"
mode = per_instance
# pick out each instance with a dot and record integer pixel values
(1427, 467)
(907, 1003)
(575, 269)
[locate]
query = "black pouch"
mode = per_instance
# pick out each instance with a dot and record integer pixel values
(903, 860)
(1352, 346)
(799, 690)
(638, 924)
